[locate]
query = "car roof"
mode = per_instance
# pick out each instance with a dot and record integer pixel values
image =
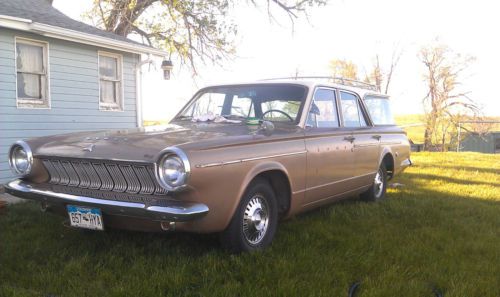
(311, 83)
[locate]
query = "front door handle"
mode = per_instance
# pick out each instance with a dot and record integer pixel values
(349, 138)
(377, 137)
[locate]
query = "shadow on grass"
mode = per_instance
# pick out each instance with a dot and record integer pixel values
(471, 169)
(445, 179)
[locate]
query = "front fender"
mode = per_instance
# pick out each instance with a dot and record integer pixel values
(253, 173)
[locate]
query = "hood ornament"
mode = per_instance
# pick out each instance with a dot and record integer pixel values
(88, 148)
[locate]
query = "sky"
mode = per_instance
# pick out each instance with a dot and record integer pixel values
(355, 30)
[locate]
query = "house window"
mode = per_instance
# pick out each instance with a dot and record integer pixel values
(32, 74)
(110, 82)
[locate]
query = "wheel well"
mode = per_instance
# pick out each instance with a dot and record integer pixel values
(281, 187)
(388, 161)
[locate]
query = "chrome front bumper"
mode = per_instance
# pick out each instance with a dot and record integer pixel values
(175, 211)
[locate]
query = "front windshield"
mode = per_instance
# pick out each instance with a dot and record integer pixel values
(276, 103)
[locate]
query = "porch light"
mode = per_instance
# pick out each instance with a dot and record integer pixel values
(167, 66)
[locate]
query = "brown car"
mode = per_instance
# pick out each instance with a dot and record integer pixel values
(234, 160)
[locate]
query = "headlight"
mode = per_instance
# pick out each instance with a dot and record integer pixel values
(20, 158)
(173, 169)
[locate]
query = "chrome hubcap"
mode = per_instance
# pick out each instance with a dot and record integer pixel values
(379, 183)
(256, 219)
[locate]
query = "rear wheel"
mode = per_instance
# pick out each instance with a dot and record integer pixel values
(254, 223)
(377, 191)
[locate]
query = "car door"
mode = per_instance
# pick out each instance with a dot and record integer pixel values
(329, 150)
(366, 143)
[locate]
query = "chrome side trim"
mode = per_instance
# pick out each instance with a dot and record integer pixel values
(209, 165)
(366, 145)
(248, 159)
(334, 196)
(335, 182)
(171, 210)
(273, 156)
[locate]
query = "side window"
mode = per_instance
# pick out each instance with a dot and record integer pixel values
(351, 111)
(323, 111)
(32, 74)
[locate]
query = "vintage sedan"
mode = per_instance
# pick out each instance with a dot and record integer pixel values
(234, 160)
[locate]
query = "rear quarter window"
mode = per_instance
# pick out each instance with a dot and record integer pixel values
(380, 110)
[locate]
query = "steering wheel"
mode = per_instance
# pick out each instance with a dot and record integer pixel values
(278, 111)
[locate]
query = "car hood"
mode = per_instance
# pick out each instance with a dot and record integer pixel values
(144, 144)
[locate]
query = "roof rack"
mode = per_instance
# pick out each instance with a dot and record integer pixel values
(334, 79)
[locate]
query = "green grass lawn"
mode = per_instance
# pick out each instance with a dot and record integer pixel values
(441, 229)
(415, 133)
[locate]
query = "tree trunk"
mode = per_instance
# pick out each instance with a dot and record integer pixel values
(429, 130)
(443, 142)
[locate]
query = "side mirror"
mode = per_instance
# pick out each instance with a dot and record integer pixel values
(267, 127)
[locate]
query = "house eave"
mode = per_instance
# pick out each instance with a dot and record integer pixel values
(75, 36)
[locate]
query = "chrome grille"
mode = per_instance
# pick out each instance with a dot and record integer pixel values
(105, 176)
(147, 185)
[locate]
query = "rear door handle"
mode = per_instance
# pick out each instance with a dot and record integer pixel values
(377, 137)
(349, 138)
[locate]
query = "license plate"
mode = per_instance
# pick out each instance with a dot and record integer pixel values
(83, 217)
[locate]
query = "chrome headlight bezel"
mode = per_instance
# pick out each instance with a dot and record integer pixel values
(29, 158)
(172, 152)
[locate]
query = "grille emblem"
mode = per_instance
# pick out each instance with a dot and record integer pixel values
(89, 148)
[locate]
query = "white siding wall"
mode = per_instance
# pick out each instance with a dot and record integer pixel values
(74, 94)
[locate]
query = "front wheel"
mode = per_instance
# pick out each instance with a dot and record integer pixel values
(377, 191)
(254, 223)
